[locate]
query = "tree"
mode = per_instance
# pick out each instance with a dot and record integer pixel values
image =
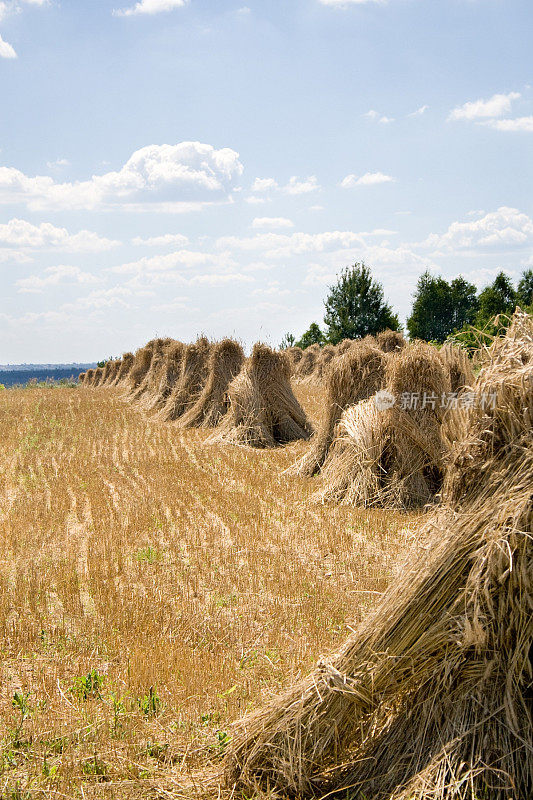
(498, 298)
(288, 340)
(440, 308)
(312, 336)
(355, 306)
(525, 289)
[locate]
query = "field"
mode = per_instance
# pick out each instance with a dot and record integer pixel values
(154, 588)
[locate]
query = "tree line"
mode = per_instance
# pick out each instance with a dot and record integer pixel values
(355, 307)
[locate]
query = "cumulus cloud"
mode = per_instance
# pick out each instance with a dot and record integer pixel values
(149, 7)
(161, 241)
(53, 276)
(520, 124)
(23, 234)
(504, 228)
(346, 3)
(264, 185)
(372, 114)
(495, 106)
(6, 50)
(272, 222)
(297, 186)
(169, 175)
(419, 111)
(368, 179)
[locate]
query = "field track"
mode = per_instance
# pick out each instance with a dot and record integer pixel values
(194, 579)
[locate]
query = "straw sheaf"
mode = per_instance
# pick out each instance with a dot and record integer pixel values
(191, 380)
(263, 410)
(459, 366)
(139, 367)
(352, 377)
(170, 373)
(308, 361)
(225, 362)
(81, 378)
(157, 349)
(97, 376)
(123, 371)
(430, 699)
(390, 341)
(89, 377)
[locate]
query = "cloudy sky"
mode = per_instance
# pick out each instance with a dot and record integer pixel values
(173, 167)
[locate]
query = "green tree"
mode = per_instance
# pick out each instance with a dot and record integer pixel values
(440, 308)
(355, 306)
(288, 340)
(525, 289)
(313, 335)
(498, 298)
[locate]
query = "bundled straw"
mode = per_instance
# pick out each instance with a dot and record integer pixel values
(81, 377)
(139, 368)
(393, 457)
(225, 362)
(430, 699)
(97, 376)
(170, 372)
(294, 354)
(354, 376)
(89, 377)
(126, 363)
(456, 360)
(390, 341)
(327, 354)
(192, 377)
(307, 363)
(152, 374)
(263, 409)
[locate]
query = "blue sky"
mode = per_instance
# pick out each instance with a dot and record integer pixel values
(175, 168)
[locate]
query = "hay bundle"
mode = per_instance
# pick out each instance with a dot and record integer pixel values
(81, 378)
(430, 699)
(393, 457)
(352, 377)
(263, 409)
(152, 374)
(294, 354)
(139, 368)
(170, 372)
(110, 372)
(344, 346)
(390, 341)
(225, 362)
(97, 376)
(327, 354)
(124, 367)
(456, 360)
(89, 377)
(307, 364)
(191, 380)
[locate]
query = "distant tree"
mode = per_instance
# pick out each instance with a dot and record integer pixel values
(498, 298)
(525, 289)
(464, 302)
(355, 306)
(440, 308)
(288, 341)
(313, 335)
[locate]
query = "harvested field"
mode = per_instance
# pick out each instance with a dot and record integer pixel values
(154, 589)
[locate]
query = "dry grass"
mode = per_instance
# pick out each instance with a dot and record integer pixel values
(194, 580)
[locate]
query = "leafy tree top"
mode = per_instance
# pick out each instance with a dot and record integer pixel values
(355, 306)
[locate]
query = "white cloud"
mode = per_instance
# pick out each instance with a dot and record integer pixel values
(272, 222)
(180, 259)
(21, 233)
(6, 50)
(345, 3)
(297, 186)
(169, 175)
(53, 276)
(419, 111)
(281, 245)
(149, 7)
(505, 228)
(59, 162)
(386, 120)
(520, 124)
(496, 106)
(264, 185)
(161, 241)
(372, 114)
(368, 179)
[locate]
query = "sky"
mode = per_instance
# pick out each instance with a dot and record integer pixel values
(179, 167)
